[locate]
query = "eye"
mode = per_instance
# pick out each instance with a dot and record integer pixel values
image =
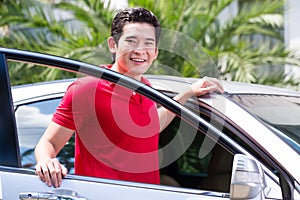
(149, 44)
(130, 41)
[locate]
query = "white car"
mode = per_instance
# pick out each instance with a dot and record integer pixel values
(244, 144)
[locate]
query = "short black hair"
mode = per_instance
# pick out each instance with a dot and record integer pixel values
(133, 15)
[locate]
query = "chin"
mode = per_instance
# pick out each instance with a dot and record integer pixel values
(139, 70)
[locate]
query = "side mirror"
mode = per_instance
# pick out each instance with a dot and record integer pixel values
(247, 179)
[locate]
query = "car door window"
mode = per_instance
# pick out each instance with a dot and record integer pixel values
(208, 165)
(204, 164)
(32, 120)
(223, 151)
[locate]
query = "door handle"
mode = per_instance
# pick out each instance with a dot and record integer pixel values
(57, 194)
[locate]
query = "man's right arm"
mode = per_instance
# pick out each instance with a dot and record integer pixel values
(48, 168)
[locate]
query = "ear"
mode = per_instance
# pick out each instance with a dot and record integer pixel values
(111, 44)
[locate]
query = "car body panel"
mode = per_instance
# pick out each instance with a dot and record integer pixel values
(106, 189)
(22, 94)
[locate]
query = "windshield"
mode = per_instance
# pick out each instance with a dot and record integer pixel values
(282, 113)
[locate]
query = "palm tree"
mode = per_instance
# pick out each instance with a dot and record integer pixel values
(244, 49)
(39, 27)
(194, 42)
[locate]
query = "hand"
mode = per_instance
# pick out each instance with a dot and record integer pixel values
(206, 85)
(51, 171)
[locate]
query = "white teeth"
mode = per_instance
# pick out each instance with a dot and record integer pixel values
(137, 60)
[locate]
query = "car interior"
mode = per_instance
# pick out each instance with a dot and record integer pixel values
(211, 172)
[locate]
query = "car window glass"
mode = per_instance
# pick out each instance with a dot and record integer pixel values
(269, 108)
(32, 120)
(219, 160)
(203, 164)
(271, 175)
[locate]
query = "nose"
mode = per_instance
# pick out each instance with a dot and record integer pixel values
(140, 48)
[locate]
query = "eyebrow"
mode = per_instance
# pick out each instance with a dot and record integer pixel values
(134, 37)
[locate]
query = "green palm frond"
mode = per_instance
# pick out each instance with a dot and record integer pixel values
(254, 19)
(92, 13)
(240, 49)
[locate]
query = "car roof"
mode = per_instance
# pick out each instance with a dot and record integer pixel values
(160, 82)
(248, 88)
(230, 87)
(34, 90)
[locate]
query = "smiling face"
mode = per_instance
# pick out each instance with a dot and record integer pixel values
(136, 49)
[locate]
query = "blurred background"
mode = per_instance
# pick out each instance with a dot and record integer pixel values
(255, 41)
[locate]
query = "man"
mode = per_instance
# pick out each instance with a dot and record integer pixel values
(116, 129)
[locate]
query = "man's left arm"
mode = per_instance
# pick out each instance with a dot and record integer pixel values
(201, 87)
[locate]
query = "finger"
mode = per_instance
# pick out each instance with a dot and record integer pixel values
(38, 171)
(216, 83)
(46, 168)
(208, 89)
(212, 88)
(64, 171)
(58, 173)
(219, 87)
(55, 173)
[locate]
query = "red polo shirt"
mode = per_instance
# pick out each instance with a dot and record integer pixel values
(116, 130)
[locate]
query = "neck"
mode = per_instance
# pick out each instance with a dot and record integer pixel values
(116, 68)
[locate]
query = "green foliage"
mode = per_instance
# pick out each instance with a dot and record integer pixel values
(35, 26)
(250, 40)
(196, 41)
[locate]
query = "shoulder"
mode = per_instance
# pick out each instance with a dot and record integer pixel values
(84, 86)
(145, 81)
(89, 82)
